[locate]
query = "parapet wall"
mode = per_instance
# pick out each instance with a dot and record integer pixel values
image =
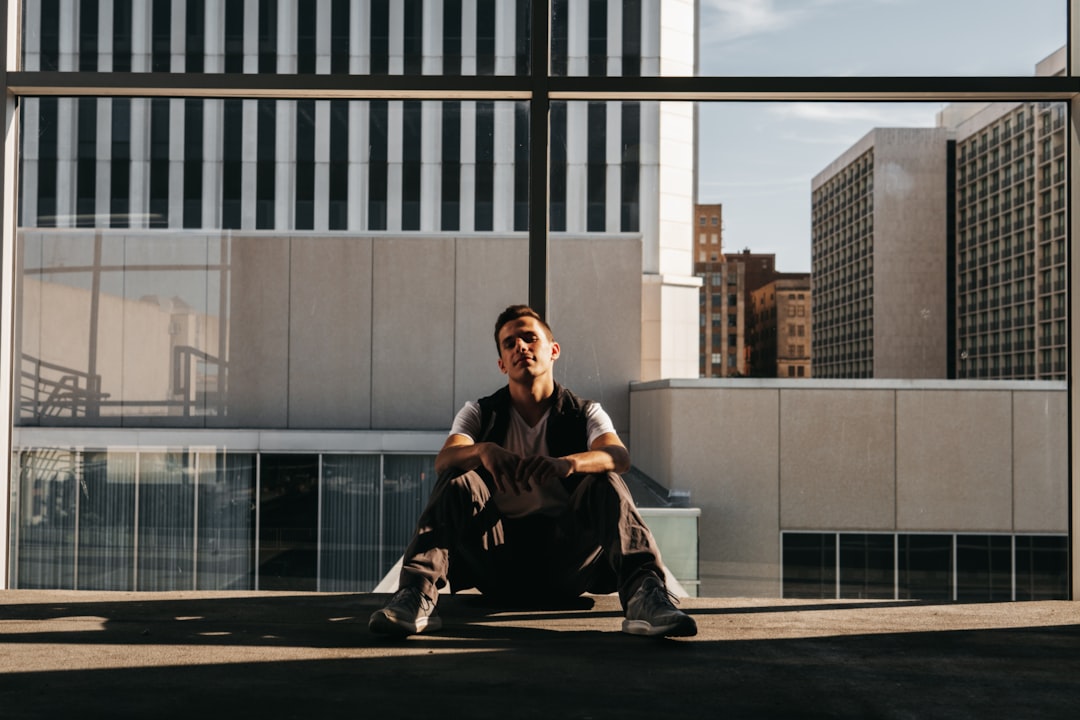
(764, 456)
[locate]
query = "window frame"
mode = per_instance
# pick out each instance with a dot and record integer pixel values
(539, 90)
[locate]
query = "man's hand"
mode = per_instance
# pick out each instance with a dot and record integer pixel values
(540, 470)
(503, 466)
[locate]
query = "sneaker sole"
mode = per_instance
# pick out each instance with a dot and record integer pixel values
(685, 627)
(383, 624)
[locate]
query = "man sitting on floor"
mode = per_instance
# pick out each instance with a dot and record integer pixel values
(529, 504)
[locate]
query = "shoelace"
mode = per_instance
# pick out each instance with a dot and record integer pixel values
(659, 595)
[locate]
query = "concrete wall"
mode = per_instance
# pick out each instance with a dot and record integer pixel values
(760, 457)
(910, 233)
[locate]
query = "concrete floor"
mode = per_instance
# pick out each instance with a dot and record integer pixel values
(287, 655)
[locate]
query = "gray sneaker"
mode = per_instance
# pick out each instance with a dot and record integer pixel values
(408, 612)
(650, 612)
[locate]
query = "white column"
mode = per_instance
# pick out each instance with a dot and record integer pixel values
(251, 41)
(577, 169)
(650, 38)
(69, 35)
(431, 166)
(503, 192)
(322, 164)
(66, 141)
(394, 128)
(103, 169)
(505, 39)
(249, 159)
(178, 35)
(324, 22)
(286, 37)
(105, 35)
(433, 38)
(140, 36)
(468, 166)
(212, 168)
(140, 163)
(577, 50)
(176, 163)
(468, 43)
(285, 165)
(613, 186)
(214, 37)
(614, 38)
(358, 165)
(31, 15)
(30, 159)
(397, 39)
(359, 44)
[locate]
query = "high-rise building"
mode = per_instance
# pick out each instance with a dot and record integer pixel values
(940, 252)
(879, 237)
(1010, 254)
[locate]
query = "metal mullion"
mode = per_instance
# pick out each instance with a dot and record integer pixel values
(240, 85)
(539, 157)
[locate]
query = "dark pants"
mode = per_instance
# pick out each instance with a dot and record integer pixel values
(597, 543)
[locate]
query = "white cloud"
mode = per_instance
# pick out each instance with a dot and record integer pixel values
(870, 114)
(730, 19)
(726, 20)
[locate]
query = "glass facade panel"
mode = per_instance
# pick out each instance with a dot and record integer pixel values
(867, 566)
(984, 568)
(106, 546)
(925, 567)
(1042, 567)
(50, 481)
(407, 483)
(166, 549)
(809, 567)
(352, 516)
(226, 522)
(288, 522)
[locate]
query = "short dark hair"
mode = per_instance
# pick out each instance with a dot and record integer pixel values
(513, 313)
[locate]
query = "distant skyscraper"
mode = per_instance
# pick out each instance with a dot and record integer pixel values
(942, 252)
(879, 238)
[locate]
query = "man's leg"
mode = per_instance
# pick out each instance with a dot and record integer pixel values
(605, 512)
(458, 517)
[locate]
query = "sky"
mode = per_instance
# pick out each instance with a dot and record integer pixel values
(758, 159)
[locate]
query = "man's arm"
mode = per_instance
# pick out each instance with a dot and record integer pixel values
(461, 452)
(606, 454)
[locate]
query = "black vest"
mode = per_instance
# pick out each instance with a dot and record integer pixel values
(567, 427)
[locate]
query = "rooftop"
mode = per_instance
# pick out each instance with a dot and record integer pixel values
(310, 655)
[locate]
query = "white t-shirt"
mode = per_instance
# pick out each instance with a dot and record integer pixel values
(528, 441)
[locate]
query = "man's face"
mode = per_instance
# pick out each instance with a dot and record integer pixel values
(525, 350)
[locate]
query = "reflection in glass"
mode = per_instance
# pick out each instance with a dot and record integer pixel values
(809, 565)
(984, 568)
(226, 522)
(925, 567)
(1042, 567)
(166, 548)
(407, 483)
(351, 532)
(106, 546)
(867, 566)
(49, 488)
